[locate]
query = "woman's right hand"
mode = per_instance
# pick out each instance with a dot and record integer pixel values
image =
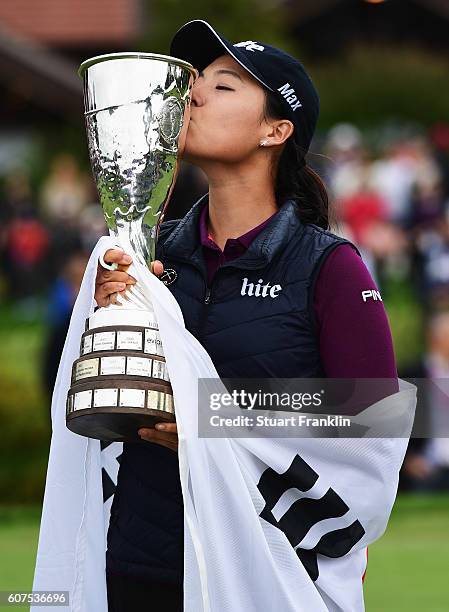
(109, 283)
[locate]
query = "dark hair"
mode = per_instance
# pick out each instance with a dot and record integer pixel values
(295, 180)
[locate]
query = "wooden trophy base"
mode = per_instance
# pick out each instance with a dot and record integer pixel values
(115, 424)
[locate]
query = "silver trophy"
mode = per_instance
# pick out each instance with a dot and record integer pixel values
(137, 111)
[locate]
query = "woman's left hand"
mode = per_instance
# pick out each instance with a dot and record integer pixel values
(165, 434)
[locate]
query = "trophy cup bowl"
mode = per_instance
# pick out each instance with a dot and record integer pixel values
(136, 110)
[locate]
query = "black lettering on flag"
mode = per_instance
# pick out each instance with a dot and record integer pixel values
(309, 559)
(108, 485)
(272, 485)
(339, 542)
(304, 513)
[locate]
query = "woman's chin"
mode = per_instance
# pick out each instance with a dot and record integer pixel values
(190, 157)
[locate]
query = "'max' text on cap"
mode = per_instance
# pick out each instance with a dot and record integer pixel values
(290, 96)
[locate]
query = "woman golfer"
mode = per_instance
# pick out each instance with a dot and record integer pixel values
(262, 283)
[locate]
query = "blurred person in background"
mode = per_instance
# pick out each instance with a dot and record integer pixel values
(439, 136)
(427, 197)
(17, 200)
(393, 176)
(345, 148)
(25, 239)
(361, 208)
(426, 466)
(65, 193)
(61, 300)
(365, 217)
(64, 196)
(345, 174)
(92, 226)
(430, 256)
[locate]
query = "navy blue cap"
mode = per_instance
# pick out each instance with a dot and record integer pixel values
(198, 43)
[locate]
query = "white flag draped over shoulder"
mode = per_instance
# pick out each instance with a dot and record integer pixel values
(270, 524)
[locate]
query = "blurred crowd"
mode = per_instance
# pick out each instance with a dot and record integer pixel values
(395, 205)
(390, 196)
(392, 200)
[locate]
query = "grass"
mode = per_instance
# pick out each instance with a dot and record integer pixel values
(19, 527)
(407, 569)
(24, 408)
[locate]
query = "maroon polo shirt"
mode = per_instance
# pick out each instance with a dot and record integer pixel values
(234, 247)
(354, 335)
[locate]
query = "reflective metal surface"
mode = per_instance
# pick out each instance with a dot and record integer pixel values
(137, 112)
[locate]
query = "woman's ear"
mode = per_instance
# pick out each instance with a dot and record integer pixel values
(280, 131)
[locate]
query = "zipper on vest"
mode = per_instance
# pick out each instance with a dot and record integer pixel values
(206, 299)
(204, 314)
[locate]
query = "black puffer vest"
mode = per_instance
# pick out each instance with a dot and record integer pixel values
(255, 320)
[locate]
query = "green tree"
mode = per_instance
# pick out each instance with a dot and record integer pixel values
(372, 84)
(236, 19)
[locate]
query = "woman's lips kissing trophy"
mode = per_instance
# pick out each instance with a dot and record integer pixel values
(137, 109)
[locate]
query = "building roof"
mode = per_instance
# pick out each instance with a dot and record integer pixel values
(41, 76)
(73, 22)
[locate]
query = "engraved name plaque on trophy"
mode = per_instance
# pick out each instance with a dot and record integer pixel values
(136, 111)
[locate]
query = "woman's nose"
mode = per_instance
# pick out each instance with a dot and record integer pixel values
(197, 95)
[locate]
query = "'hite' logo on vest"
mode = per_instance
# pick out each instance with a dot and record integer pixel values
(371, 293)
(290, 96)
(259, 289)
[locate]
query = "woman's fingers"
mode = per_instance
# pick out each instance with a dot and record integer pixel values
(113, 299)
(105, 293)
(105, 276)
(167, 437)
(111, 282)
(163, 427)
(157, 267)
(168, 427)
(117, 256)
